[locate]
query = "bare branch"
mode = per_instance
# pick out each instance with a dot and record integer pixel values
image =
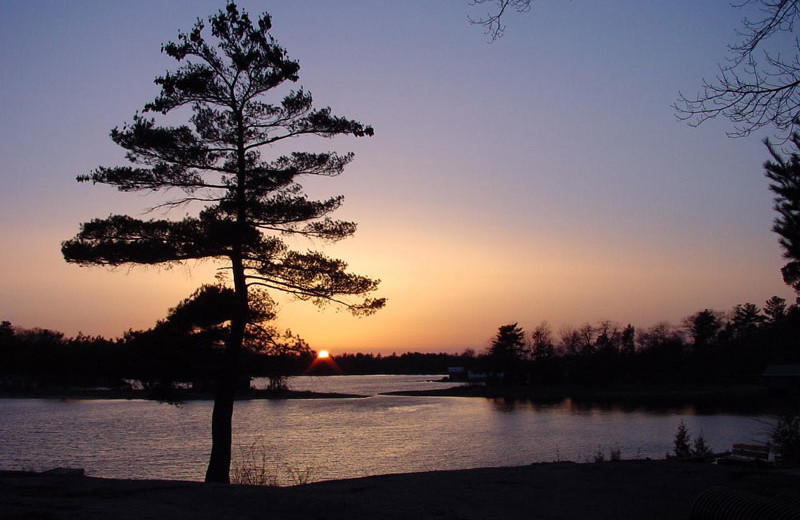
(756, 87)
(492, 22)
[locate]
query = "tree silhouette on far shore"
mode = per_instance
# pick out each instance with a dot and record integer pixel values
(243, 203)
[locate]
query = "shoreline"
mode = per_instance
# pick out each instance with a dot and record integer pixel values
(738, 399)
(741, 399)
(625, 490)
(174, 397)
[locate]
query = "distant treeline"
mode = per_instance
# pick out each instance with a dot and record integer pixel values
(38, 358)
(709, 347)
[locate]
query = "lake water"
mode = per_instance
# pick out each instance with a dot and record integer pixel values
(321, 439)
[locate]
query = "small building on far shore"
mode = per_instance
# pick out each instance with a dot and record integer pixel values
(461, 374)
(782, 378)
(456, 373)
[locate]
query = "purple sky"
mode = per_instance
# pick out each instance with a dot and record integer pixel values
(542, 177)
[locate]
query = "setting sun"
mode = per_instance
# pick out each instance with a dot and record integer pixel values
(323, 354)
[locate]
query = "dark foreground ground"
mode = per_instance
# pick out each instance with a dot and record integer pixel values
(618, 490)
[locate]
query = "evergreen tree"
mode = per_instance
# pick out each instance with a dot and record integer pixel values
(700, 447)
(704, 328)
(745, 320)
(775, 310)
(785, 177)
(682, 442)
(507, 350)
(248, 202)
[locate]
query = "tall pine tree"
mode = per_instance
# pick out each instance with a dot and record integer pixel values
(248, 203)
(785, 177)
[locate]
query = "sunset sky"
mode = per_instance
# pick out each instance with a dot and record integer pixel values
(541, 177)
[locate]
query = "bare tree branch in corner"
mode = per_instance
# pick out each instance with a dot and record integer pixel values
(492, 21)
(758, 85)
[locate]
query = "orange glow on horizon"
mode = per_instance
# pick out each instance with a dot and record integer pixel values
(323, 364)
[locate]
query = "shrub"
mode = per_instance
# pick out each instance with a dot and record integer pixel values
(785, 437)
(298, 476)
(599, 456)
(253, 468)
(616, 454)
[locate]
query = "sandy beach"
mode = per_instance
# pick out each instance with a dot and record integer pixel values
(620, 490)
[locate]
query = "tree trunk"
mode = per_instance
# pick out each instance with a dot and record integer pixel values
(219, 464)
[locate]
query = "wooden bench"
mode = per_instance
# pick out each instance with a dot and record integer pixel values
(753, 452)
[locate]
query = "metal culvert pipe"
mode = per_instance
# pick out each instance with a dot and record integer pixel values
(721, 503)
